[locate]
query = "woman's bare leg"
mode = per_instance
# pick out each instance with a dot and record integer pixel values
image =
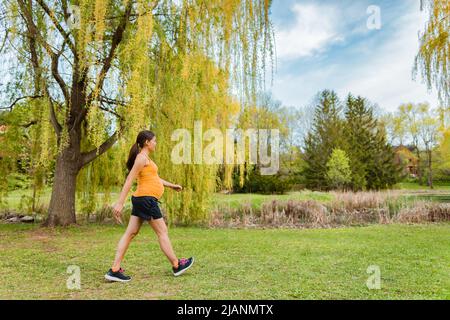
(134, 225)
(160, 228)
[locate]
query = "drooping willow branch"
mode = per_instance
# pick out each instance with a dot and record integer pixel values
(117, 38)
(33, 34)
(58, 25)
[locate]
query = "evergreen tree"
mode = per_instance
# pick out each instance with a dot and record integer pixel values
(360, 127)
(371, 157)
(383, 172)
(325, 135)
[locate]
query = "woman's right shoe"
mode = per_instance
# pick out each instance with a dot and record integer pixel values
(117, 276)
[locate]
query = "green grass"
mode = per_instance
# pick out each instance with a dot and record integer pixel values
(430, 197)
(230, 264)
(255, 200)
(415, 186)
(440, 192)
(17, 199)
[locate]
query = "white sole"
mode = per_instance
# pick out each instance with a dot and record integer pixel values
(107, 277)
(179, 273)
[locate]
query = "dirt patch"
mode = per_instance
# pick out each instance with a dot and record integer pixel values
(41, 235)
(44, 237)
(155, 295)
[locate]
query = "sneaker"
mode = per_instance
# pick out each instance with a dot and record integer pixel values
(117, 276)
(183, 265)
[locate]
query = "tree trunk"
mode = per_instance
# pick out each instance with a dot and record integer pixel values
(33, 205)
(430, 170)
(61, 211)
(419, 169)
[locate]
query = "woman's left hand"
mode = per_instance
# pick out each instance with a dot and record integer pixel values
(177, 187)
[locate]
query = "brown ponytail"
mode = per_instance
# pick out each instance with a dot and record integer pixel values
(135, 149)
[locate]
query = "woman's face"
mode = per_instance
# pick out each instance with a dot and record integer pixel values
(152, 144)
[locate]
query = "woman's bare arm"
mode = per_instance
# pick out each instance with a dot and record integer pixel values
(171, 185)
(139, 163)
(167, 183)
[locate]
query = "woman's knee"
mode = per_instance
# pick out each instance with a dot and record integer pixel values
(133, 227)
(132, 233)
(159, 226)
(162, 232)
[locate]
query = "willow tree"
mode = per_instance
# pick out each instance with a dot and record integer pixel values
(433, 58)
(95, 72)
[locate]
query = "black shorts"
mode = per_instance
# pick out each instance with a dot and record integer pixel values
(146, 207)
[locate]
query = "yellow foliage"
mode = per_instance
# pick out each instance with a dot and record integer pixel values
(433, 57)
(444, 147)
(100, 15)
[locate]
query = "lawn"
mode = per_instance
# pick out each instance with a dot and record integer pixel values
(416, 186)
(20, 199)
(414, 261)
(255, 200)
(440, 192)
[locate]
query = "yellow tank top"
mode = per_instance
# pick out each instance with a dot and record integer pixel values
(148, 182)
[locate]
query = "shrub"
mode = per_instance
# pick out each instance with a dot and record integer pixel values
(338, 169)
(257, 183)
(18, 181)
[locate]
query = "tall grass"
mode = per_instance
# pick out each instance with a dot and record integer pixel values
(346, 209)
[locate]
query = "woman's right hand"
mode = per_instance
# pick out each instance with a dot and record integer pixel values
(117, 211)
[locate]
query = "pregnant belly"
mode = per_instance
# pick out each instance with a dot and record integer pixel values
(151, 187)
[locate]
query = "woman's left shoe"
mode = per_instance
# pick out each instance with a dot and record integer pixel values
(117, 276)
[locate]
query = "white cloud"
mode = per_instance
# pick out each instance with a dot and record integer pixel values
(315, 28)
(387, 78)
(384, 78)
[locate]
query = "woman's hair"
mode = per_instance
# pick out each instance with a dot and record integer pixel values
(140, 140)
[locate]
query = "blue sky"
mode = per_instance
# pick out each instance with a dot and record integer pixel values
(327, 45)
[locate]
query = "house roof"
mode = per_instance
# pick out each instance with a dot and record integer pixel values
(406, 151)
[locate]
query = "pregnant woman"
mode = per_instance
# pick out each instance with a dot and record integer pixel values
(145, 207)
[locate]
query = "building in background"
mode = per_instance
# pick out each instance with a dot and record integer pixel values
(404, 155)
